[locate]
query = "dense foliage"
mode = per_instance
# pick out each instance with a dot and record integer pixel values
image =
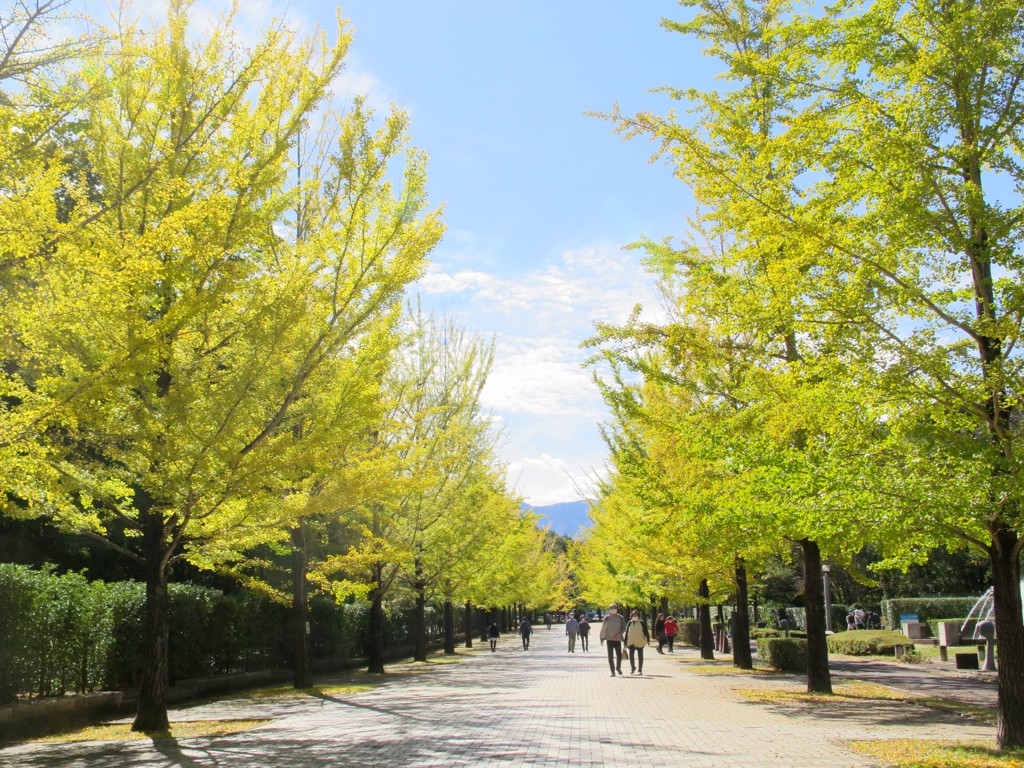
(207, 354)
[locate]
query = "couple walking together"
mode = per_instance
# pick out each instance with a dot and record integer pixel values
(615, 631)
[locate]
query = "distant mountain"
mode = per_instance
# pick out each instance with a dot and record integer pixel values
(566, 518)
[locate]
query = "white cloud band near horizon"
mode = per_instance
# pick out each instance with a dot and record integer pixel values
(539, 387)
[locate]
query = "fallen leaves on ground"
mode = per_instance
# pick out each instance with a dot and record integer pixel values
(867, 692)
(855, 690)
(182, 730)
(924, 753)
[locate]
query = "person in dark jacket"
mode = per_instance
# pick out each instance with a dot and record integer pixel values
(493, 635)
(584, 633)
(659, 632)
(525, 630)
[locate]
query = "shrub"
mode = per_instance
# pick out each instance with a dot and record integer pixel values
(690, 632)
(768, 632)
(15, 601)
(788, 654)
(867, 642)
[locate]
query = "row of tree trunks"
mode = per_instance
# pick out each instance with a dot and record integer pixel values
(152, 711)
(1005, 559)
(819, 679)
(707, 639)
(449, 628)
(741, 656)
(303, 674)
(376, 649)
(419, 623)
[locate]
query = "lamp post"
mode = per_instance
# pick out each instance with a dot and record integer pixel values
(828, 598)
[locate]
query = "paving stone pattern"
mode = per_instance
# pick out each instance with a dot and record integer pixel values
(541, 707)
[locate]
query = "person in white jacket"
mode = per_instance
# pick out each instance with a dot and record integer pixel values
(613, 629)
(636, 638)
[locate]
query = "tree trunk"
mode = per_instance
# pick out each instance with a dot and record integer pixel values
(419, 624)
(376, 645)
(741, 656)
(707, 639)
(819, 679)
(469, 624)
(302, 677)
(449, 628)
(152, 712)
(1010, 636)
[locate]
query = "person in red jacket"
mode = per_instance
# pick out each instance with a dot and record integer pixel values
(670, 632)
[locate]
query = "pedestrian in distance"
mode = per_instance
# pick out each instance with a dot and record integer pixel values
(584, 633)
(572, 627)
(613, 628)
(659, 632)
(525, 630)
(636, 638)
(670, 632)
(493, 635)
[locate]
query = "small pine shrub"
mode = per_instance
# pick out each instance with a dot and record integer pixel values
(867, 642)
(788, 654)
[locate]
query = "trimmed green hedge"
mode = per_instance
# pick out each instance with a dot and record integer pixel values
(61, 633)
(928, 608)
(797, 617)
(788, 654)
(756, 634)
(867, 642)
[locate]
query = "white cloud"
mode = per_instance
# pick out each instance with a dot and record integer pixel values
(541, 376)
(595, 283)
(538, 386)
(545, 479)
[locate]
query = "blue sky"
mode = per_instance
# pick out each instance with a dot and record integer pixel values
(539, 197)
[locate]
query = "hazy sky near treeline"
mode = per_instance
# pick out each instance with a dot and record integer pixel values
(539, 198)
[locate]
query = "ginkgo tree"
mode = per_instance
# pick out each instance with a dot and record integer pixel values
(886, 206)
(437, 456)
(191, 344)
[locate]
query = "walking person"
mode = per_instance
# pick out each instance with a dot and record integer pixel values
(670, 632)
(584, 633)
(659, 631)
(493, 635)
(613, 628)
(525, 630)
(636, 638)
(572, 627)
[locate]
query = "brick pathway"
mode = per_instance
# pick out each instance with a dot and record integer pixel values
(540, 707)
